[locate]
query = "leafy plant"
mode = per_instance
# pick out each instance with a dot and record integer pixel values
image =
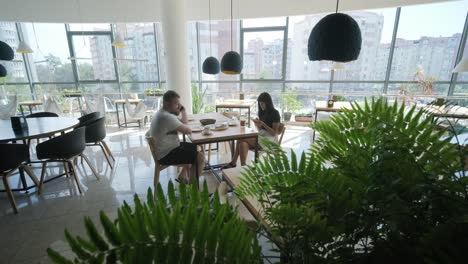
(185, 227)
(197, 99)
(379, 186)
(289, 101)
(153, 92)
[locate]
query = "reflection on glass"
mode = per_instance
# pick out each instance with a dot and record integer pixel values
(428, 42)
(93, 55)
(263, 55)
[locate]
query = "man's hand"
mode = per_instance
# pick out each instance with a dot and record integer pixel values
(182, 108)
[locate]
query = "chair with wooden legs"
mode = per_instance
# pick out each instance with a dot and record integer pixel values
(158, 167)
(281, 130)
(65, 148)
(95, 135)
(13, 157)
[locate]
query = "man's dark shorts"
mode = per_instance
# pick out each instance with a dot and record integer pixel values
(186, 153)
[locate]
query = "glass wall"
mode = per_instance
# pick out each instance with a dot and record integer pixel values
(405, 51)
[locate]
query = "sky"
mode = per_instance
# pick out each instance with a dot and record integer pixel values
(440, 19)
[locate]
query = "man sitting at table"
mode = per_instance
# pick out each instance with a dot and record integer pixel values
(165, 125)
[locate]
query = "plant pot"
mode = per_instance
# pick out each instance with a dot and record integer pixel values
(287, 116)
(303, 118)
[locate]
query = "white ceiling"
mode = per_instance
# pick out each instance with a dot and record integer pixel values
(97, 11)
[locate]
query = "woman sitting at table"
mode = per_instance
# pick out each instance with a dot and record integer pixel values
(267, 123)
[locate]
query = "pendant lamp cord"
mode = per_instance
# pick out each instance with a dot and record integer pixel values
(337, 3)
(209, 22)
(231, 25)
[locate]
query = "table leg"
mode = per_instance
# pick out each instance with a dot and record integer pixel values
(30, 109)
(21, 109)
(248, 124)
(118, 118)
(197, 174)
(315, 121)
(23, 179)
(233, 148)
(256, 149)
(124, 114)
(80, 106)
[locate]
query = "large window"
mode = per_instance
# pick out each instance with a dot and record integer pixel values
(263, 55)
(376, 31)
(50, 59)
(427, 41)
(137, 61)
(15, 68)
(79, 55)
(93, 57)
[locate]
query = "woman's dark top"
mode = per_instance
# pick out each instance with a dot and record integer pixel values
(270, 116)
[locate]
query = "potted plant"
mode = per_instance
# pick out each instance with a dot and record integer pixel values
(396, 192)
(289, 104)
(71, 93)
(151, 92)
(303, 117)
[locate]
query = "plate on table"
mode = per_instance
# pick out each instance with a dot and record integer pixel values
(221, 126)
(196, 129)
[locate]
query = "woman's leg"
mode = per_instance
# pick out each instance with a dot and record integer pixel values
(244, 149)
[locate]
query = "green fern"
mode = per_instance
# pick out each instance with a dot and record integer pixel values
(377, 187)
(188, 227)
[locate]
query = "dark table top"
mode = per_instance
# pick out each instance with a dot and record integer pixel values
(37, 128)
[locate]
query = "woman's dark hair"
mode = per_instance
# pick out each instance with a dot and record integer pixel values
(266, 98)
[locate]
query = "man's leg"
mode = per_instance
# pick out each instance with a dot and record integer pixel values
(200, 158)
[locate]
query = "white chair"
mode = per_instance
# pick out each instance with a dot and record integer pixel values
(137, 113)
(8, 107)
(51, 105)
(95, 103)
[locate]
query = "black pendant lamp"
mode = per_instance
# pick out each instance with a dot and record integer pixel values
(6, 54)
(211, 64)
(336, 37)
(231, 63)
(3, 71)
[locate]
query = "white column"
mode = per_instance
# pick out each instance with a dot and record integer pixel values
(174, 27)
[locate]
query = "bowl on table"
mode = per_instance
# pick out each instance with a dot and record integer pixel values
(207, 121)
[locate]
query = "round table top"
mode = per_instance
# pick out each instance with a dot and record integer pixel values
(37, 128)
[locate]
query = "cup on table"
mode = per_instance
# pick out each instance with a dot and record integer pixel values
(242, 122)
(206, 130)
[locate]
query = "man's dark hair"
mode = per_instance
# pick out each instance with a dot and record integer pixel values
(169, 95)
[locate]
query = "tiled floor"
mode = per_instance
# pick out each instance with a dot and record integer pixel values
(42, 219)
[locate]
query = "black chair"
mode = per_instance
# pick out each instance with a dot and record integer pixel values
(95, 135)
(42, 114)
(38, 115)
(88, 118)
(14, 156)
(65, 148)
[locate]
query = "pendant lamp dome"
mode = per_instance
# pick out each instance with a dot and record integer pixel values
(6, 52)
(23, 48)
(211, 64)
(231, 63)
(336, 37)
(3, 71)
(118, 41)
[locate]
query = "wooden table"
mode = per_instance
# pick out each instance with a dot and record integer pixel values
(230, 134)
(39, 127)
(30, 105)
(322, 106)
(455, 112)
(123, 102)
(238, 104)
